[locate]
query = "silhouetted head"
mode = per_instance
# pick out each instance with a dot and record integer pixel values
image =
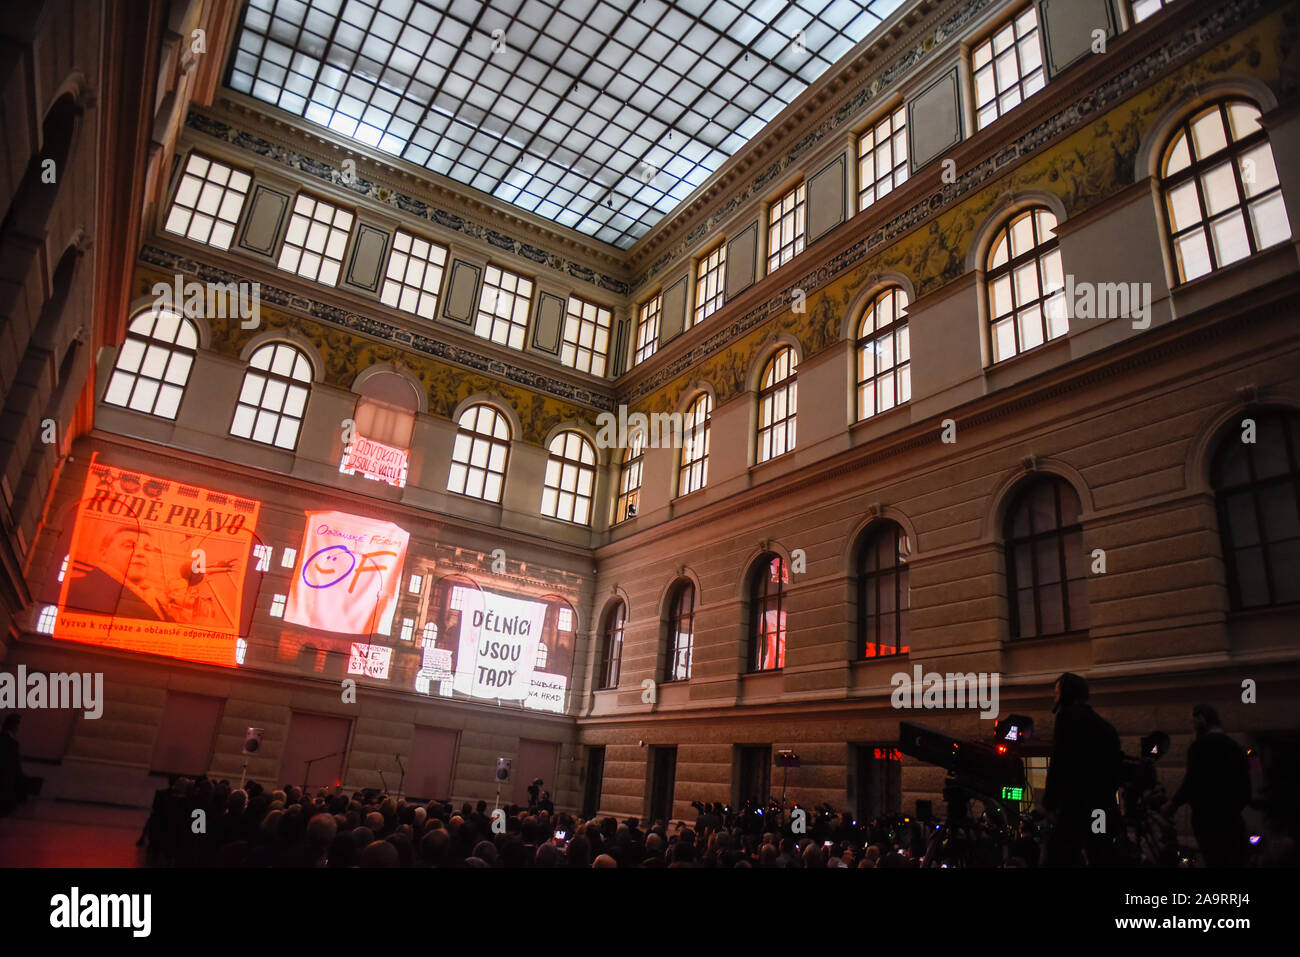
(1069, 688)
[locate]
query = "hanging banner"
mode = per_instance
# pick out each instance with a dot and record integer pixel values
(348, 572)
(369, 660)
(157, 567)
(375, 460)
(498, 644)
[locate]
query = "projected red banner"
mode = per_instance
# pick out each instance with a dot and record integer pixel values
(157, 567)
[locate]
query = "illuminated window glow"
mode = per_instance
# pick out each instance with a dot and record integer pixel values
(153, 366)
(414, 275)
(503, 307)
(207, 202)
(317, 237)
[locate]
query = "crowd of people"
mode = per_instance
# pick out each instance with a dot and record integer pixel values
(253, 827)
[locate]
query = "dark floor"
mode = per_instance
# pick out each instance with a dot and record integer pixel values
(44, 833)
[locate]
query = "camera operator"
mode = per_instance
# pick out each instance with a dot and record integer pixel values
(1217, 785)
(1082, 778)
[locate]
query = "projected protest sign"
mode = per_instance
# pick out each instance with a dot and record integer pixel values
(375, 460)
(347, 575)
(498, 644)
(157, 567)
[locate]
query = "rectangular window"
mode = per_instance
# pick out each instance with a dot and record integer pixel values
(318, 235)
(882, 158)
(415, 584)
(787, 225)
(263, 553)
(503, 307)
(277, 605)
(1146, 8)
(408, 629)
(647, 330)
(208, 201)
(586, 336)
(1008, 67)
(709, 283)
(414, 275)
(288, 557)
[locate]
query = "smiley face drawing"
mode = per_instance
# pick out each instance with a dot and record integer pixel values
(328, 566)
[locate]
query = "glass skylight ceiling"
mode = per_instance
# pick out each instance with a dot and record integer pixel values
(601, 116)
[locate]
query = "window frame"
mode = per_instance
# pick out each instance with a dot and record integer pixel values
(869, 582)
(1160, 7)
(631, 467)
(494, 319)
(897, 134)
(193, 210)
(420, 290)
(706, 271)
(1012, 21)
(1058, 534)
(794, 219)
(582, 467)
(1231, 155)
(1288, 420)
(677, 613)
(1038, 253)
(289, 381)
(575, 355)
(693, 424)
(491, 440)
(149, 341)
(331, 234)
(611, 647)
(896, 330)
(770, 388)
(762, 601)
(648, 316)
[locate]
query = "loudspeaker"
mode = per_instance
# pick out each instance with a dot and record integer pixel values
(503, 770)
(253, 740)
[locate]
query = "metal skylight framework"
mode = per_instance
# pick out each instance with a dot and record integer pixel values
(601, 115)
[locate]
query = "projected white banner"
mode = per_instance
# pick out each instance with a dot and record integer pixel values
(498, 644)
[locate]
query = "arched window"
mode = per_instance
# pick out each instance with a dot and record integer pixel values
(611, 647)
(767, 629)
(1221, 190)
(1257, 488)
(884, 604)
(884, 354)
(681, 632)
(478, 459)
(778, 399)
(694, 472)
(1025, 284)
(629, 477)
(153, 365)
(273, 399)
(386, 410)
(1045, 560)
(570, 478)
